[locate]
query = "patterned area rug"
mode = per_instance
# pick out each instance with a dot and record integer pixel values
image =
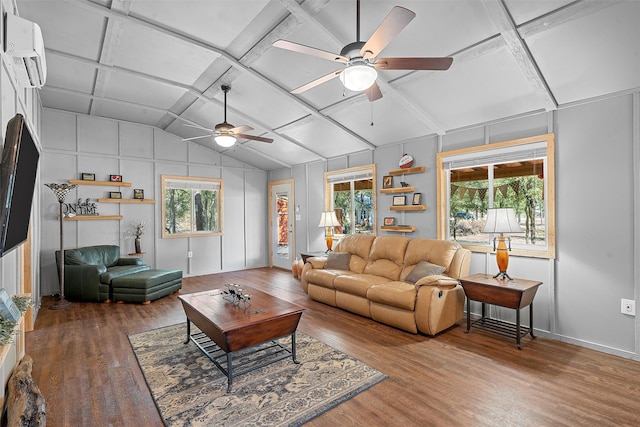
(189, 390)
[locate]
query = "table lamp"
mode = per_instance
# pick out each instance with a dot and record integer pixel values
(329, 220)
(502, 220)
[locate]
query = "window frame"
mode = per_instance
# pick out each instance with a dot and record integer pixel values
(443, 184)
(328, 191)
(196, 184)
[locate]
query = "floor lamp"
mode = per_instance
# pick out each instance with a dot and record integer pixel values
(61, 191)
(502, 220)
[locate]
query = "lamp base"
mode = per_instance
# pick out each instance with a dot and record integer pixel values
(61, 304)
(502, 275)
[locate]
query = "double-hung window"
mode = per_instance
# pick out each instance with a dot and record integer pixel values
(351, 193)
(515, 174)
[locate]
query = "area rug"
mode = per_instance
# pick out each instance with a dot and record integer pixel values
(189, 390)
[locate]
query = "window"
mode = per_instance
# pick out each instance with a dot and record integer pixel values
(351, 194)
(515, 174)
(191, 206)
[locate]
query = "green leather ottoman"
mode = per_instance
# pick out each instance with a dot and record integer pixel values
(146, 286)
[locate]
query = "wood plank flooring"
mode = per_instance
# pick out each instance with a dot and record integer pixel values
(84, 365)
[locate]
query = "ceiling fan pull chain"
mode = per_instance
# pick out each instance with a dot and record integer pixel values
(371, 103)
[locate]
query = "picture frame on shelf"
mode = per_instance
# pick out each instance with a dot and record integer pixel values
(399, 200)
(8, 307)
(417, 198)
(115, 195)
(115, 178)
(389, 220)
(387, 181)
(138, 194)
(88, 176)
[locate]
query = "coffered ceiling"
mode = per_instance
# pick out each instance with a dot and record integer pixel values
(163, 62)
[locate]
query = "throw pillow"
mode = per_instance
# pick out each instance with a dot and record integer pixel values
(338, 261)
(423, 269)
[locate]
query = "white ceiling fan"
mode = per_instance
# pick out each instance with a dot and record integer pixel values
(225, 134)
(360, 58)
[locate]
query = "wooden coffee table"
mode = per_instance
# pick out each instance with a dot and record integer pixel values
(227, 328)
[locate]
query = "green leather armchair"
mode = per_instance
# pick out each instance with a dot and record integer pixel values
(88, 271)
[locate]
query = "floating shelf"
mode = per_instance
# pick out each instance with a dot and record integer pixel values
(408, 189)
(108, 200)
(92, 217)
(407, 171)
(399, 228)
(408, 208)
(102, 183)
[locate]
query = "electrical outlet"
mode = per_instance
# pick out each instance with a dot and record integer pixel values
(628, 306)
(189, 254)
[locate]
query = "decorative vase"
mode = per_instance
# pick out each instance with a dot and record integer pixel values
(137, 243)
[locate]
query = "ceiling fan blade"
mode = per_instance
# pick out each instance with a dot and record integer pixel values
(253, 138)
(197, 127)
(196, 137)
(413, 63)
(317, 81)
(240, 129)
(300, 48)
(373, 93)
(389, 28)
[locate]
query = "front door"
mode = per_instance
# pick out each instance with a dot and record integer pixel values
(281, 220)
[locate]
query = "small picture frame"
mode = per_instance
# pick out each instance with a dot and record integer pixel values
(389, 220)
(115, 195)
(115, 178)
(399, 200)
(138, 194)
(417, 198)
(88, 176)
(387, 181)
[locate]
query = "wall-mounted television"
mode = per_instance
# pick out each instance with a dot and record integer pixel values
(17, 182)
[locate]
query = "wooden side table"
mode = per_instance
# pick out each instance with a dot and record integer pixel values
(515, 294)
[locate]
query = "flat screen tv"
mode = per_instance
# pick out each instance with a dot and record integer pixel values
(17, 181)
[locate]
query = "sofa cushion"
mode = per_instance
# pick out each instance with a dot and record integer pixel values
(338, 261)
(357, 284)
(120, 271)
(322, 278)
(385, 258)
(359, 246)
(439, 252)
(396, 294)
(107, 255)
(442, 282)
(423, 269)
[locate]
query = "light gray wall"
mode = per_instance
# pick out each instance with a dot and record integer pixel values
(597, 222)
(74, 143)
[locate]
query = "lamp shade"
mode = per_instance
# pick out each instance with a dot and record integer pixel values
(329, 219)
(225, 140)
(501, 220)
(358, 76)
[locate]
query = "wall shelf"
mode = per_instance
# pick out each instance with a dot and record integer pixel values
(399, 228)
(92, 217)
(408, 208)
(108, 200)
(407, 171)
(408, 189)
(102, 183)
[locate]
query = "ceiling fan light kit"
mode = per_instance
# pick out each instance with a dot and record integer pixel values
(359, 75)
(225, 140)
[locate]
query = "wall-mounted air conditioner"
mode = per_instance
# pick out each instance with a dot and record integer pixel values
(23, 41)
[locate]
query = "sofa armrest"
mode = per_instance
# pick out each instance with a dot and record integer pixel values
(81, 282)
(317, 261)
(129, 261)
(439, 280)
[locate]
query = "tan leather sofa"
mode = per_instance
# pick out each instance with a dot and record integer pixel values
(374, 285)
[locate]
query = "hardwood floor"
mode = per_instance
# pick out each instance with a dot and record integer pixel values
(84, 365)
